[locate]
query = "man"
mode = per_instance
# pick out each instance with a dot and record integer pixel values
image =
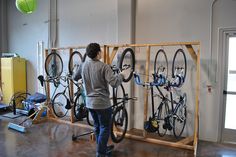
(96, 77)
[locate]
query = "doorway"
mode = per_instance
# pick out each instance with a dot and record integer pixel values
(229, 86)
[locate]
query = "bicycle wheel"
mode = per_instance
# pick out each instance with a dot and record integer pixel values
(179, 64)
(59, 103)
(89, 118)
(163, 110)
(127, 63)
(74, 61)
(119, 124)
(118, 95)
(18, 98)
(180, 117)
(79, 107)
(53, 65)
(161, 64)
(84, 57)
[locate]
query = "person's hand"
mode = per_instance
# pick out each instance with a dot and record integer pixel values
(80, 81)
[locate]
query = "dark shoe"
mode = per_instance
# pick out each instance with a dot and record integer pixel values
(99, 155)
(110, 148)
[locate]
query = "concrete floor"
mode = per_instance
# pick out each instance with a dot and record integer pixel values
(53, 139)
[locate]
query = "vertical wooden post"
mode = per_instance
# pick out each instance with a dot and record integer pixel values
(196, 116)
(107, 56)
(50, 112)
(146, 91)
(72, 113)
(104, 53)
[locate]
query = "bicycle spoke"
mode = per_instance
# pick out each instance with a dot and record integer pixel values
(163, 111)
(58, 105)
(180, 117)
(74, 62)
(119, 124)
(179, 65)
(161, 64)
(79, 107)
(53, 65)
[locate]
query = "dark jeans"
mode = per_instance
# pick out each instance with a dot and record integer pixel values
(102, 122)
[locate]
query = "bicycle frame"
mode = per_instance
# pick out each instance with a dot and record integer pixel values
(68, 79)
(170, 112)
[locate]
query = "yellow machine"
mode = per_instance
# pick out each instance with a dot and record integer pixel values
(13, 73)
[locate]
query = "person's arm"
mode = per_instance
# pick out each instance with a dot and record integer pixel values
(77, 75)
(112, 79)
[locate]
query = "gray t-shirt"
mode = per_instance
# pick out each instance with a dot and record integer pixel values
(96, 77)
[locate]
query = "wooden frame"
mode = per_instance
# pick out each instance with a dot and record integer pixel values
(184, 143)
(71, 50)
(107, 58)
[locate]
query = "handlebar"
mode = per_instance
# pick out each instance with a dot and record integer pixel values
(118, 70)
(158, 80)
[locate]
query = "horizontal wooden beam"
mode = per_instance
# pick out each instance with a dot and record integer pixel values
(65, 48)
(186, 140)
(161, 142)
(159, 44)
(133, 45)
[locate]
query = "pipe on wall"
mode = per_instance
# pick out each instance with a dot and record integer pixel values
(211, 42)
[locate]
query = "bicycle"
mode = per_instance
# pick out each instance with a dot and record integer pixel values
(53, 65)
(165, 116)
(120, 98)
(119, 114)
(175, 116)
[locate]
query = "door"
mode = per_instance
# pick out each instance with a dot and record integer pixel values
(229, 88)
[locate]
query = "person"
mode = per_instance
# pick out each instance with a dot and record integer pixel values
(96, 77)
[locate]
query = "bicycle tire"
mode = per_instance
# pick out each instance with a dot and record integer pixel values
(18, 98)
(118, 94)
(79, 107)
(89, 119)
(160, 68)
(161, 116)
(74, 61)
(58, 105)
(119, 124)
(183, 65)
(181, 112)
(53, 65)
(84, 57)
(125, 55)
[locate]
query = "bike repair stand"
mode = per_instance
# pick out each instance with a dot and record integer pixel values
(91, 133)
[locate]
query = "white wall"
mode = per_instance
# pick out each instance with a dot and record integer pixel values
(82, 22)
(24, 31)
(179, 21)
(190, 20)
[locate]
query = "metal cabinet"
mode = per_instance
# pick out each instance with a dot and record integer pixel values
(13, 73)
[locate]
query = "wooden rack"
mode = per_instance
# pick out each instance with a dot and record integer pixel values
(70, 50)
(186, 142)
(190, 142)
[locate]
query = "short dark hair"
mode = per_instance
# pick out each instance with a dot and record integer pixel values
(92, 50)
